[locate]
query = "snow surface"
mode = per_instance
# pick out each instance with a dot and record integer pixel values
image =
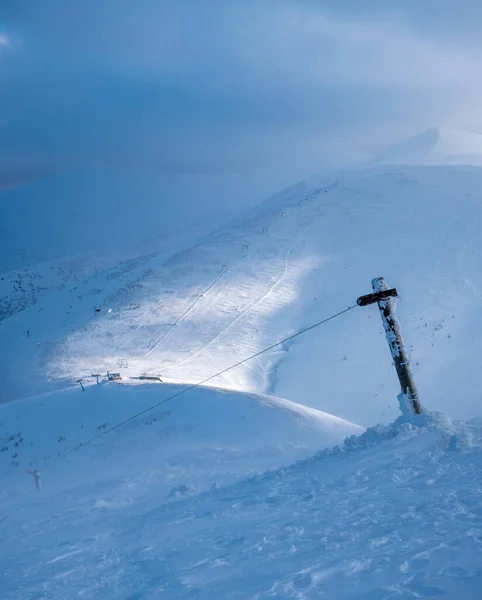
(302, 256)
(227, 431)
(236, 491)
(393, 513)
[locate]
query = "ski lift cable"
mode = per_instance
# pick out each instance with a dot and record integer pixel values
(210, 378)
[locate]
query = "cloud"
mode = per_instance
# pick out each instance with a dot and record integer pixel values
(230, 86)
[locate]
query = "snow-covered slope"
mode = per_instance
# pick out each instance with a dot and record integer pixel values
(436, 146)
(298, 258)
(200, 437)
(26, 287)
(392, 514)
(182, 500)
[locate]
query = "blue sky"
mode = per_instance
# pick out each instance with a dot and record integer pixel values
(268, 91)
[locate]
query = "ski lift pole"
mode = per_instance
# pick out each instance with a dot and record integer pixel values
(383, 297)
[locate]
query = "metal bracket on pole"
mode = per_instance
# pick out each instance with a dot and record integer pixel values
(372, 298)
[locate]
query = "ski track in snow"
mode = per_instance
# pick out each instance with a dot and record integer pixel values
(255, 303)
(186, 312)
(235, 273)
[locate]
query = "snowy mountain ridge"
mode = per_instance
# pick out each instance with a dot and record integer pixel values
(436, 146)
(304, 255)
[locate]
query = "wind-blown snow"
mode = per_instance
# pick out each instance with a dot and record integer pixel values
(394, 513)
(233, 434)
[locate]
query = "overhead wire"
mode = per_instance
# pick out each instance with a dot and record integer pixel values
(210, 378)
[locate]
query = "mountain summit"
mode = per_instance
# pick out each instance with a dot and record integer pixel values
(435, 146)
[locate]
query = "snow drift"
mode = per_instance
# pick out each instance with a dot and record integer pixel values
(394, 513)
(199, 436)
